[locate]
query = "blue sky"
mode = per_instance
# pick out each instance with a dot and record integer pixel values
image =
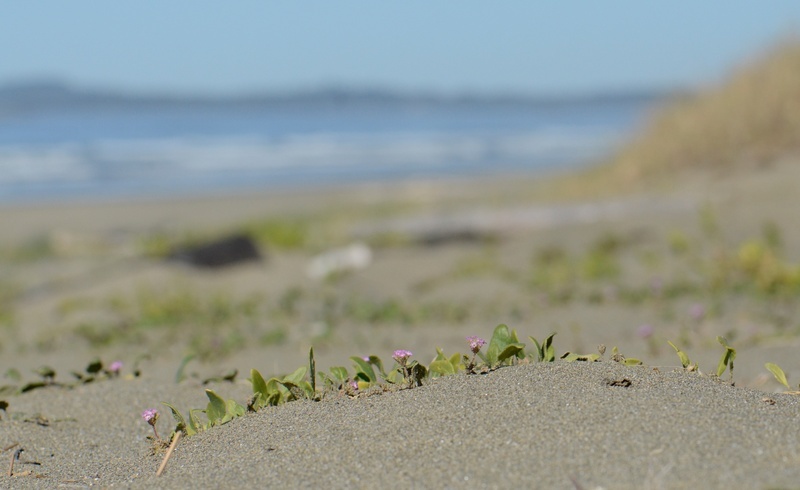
(203, 47)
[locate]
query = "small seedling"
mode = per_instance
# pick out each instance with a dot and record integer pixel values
(446, 366)
(781, 377)
(726, 361)
(312, 368)
(545, 351)
(685, 362)
(616, 356)
(220, 411)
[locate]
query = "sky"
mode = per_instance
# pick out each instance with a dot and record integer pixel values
(201, 47)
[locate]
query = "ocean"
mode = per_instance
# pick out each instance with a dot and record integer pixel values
(74, 146)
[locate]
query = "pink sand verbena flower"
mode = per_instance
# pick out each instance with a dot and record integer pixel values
(475, 343)
(401, 356)
(151, 417)
(645, 331)
(115, 367)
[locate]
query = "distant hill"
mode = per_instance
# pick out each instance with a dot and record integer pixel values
(35, 97)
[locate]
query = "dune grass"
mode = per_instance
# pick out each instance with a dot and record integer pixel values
(749, 119)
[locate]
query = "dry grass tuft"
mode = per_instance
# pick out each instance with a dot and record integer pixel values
(751, 119)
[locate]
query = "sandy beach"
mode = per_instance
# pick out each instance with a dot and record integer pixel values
(627, 271)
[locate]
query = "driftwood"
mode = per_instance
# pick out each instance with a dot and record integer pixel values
(224, 252)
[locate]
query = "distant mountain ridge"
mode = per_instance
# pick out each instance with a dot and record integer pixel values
(43, 96)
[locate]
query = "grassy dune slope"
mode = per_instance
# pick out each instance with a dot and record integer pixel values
(750, 119)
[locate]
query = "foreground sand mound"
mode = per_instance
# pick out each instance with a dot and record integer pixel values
(561, 425)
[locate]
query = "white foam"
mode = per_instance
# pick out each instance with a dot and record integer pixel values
(155, 159)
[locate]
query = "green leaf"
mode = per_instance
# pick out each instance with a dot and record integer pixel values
(545, 351)
(297, 376)
(685, 362)
(778, 373)
(277, 392)
(394, 376)
(726, 361)
(376, 361)
(631, 361)
(500, 338)
(216, 409)
(418, 373)
(233, 409)
(32, 386)
(364, 367)
(312, 368)
(46, 372)
(182, 426)
(442, 368)
(548, 350)
(328, 379)
(259, 385)
(502, 346)
(340, 374)
(94, 367)
(194, 420)
(510, 351)
(308, 389)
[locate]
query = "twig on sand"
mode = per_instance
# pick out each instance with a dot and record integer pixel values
(14, 456)
(169, 453)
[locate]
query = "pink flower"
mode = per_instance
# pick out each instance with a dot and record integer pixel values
(475, 343)
(645, 331)
(115, 367)
(150, 416)
(354, 385)
(401, 356)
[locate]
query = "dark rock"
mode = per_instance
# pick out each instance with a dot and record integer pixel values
(224, 252)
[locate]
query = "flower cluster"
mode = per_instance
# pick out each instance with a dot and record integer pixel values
(401, 356)
(475, 343)
(150, 416)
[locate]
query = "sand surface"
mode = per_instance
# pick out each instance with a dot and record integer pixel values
(537, 425)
